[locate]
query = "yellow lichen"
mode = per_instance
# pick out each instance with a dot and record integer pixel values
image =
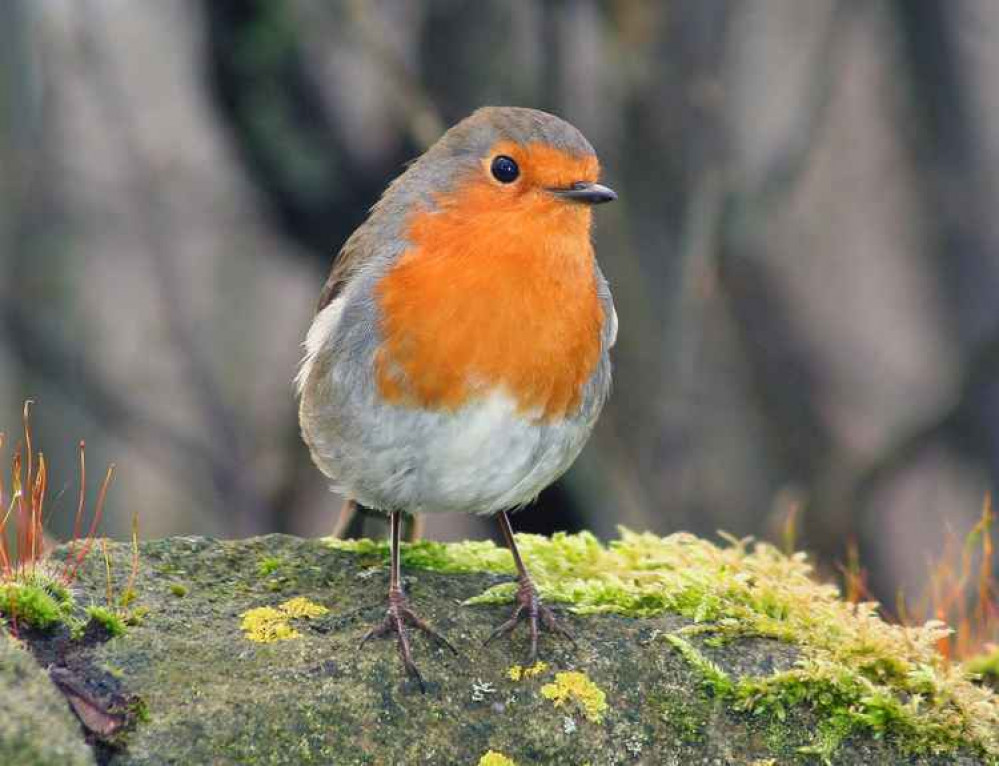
(573, 686)
(492, 758)
(302, 607)
(517, 672)
(265, 624)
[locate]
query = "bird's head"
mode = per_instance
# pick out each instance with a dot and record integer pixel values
(525, 154)
(521, 170)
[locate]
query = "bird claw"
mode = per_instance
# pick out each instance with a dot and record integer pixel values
(398, 616)
(537, 615)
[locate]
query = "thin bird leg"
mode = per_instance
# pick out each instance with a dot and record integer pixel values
(399, 614)
(529, 606)
(350, 524)
(351, 521)
(412, 527)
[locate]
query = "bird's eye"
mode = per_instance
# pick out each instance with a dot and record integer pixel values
(505, 170)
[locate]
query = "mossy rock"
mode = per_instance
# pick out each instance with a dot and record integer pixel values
(222, 683)
(36, 727)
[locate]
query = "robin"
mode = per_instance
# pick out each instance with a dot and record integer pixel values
(460, 354)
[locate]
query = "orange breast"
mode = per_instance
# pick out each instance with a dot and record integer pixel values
(492, 293)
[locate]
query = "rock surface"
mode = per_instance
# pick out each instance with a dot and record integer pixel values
(36, 726)
(209, 694)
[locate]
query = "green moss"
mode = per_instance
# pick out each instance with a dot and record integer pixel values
(178, 590)
(846, 702)
(35, 600)
(856, 672)
(268, 566)
(135, 616)
(140, 710)
(985, 667)
(686, 716)
(56, 590)
(43, 602)
(468, 556)
(112, 621)
(715, 679)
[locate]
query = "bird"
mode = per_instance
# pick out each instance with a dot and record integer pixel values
(460, 352)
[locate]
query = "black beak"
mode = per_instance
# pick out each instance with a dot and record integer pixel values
(586, 193)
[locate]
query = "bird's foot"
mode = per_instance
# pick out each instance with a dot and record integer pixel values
(537, 615)
(398, 617)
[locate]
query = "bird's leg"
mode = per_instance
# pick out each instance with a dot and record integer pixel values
(412, 527)
(350, 524)
(399, 615)
(529, 606)
(351, 521)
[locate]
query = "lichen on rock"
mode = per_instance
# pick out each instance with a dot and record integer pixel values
(517, 672)
(492, 758)
(857, 671)
(703, 653)
(266, 624)
(574, 687)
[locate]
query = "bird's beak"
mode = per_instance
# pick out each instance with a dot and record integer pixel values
(586, 193)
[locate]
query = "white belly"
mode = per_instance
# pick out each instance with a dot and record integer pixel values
(483, 458)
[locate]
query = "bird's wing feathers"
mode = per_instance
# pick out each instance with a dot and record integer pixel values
(351, 256)
(378, 234)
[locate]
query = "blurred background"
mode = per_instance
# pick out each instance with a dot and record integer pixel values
(803, 255)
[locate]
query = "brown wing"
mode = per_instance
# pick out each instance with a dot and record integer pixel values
(363, 243)
(335, 281)
(351, 255)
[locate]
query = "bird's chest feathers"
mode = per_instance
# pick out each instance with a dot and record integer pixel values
(496, 301)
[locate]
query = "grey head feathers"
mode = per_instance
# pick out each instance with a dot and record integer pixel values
(474, 135)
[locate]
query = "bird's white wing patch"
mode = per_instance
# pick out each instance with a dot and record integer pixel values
(612, 334)
(322, 329)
